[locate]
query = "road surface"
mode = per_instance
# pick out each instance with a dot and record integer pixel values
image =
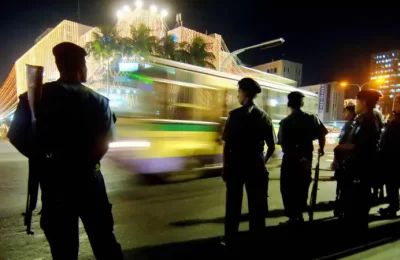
(181, 220)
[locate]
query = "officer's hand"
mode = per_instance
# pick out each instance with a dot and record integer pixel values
(321, 152)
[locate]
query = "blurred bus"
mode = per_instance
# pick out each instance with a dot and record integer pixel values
(170, 115)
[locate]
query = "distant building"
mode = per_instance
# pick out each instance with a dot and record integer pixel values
(386, 65)
(331, 100)
(284, 68)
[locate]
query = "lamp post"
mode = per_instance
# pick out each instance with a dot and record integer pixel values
(360, 87)
(266, 45)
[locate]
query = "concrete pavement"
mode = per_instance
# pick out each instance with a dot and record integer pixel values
(175, 221)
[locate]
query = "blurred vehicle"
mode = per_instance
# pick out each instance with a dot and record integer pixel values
(170, 115)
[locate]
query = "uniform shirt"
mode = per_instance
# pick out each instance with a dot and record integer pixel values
(346, 129)
(365, 136)
(390, 143)
(247, 129)
(298, 131)
(75, 124)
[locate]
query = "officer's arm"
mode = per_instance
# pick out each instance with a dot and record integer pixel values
(269, 136)
(321, 134)
(280, 136)
(106, 122)
(225, 138)
(20, 132)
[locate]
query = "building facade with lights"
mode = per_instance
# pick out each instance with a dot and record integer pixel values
(67, 31)
(386, 66)
(284, 68)
(331, 100)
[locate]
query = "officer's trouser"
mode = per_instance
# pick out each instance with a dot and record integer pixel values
(255, 183)
(295, 183)
(60, 219)
(392, 189)
(357, 202)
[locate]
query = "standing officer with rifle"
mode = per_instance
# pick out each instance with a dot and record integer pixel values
(73, 127)
(296, 134)
(360, 154)
(246, 132)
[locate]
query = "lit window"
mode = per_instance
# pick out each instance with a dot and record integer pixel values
(384, 56)
(393, 54)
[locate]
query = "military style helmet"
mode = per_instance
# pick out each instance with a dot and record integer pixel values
(69, 56)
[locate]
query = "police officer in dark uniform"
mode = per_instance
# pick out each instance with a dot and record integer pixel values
(338, 165)
(377, 185)
(247, 130)
(390, 145)
(296, 135)
(360, 154)
(74, 128)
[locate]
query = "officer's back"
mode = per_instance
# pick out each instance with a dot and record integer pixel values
(247, 132)
(72, 121)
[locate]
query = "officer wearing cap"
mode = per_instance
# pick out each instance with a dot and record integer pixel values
(296, 134)
(74, 127)
(247, 130)
(390, 144)
(360, 154)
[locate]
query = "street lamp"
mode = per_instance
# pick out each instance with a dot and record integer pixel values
(360, 87)
(139, 4)
(127, 9)
(153, 8)
(266, 45)
(164, 13)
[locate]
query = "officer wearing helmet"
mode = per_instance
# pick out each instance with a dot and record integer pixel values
(360, 154)
(74, 128)
(247, 130)
(296, 134)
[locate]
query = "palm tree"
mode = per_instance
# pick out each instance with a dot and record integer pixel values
(104, 46)
(141, 43)
(167, 47)
(197, 53)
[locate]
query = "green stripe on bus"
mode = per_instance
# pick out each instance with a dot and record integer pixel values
(177, 127)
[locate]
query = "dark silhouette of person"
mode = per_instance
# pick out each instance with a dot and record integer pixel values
(296, 134)
(360, 154)
(338, 165)
(390, 145)
(74, 127)
(247, 130)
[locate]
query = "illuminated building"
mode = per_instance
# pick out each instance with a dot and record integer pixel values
(284, 68)
(8, 95)
(153, 20)
(386, 65)
(68, 31)
(331, 100)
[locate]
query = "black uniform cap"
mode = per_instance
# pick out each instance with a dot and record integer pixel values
(69, 56)
(369, 95)
(249, 85)
(68, 50)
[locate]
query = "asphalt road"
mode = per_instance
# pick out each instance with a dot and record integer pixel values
(175, 221)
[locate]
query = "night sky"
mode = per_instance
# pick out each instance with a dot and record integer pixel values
(331, 43)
